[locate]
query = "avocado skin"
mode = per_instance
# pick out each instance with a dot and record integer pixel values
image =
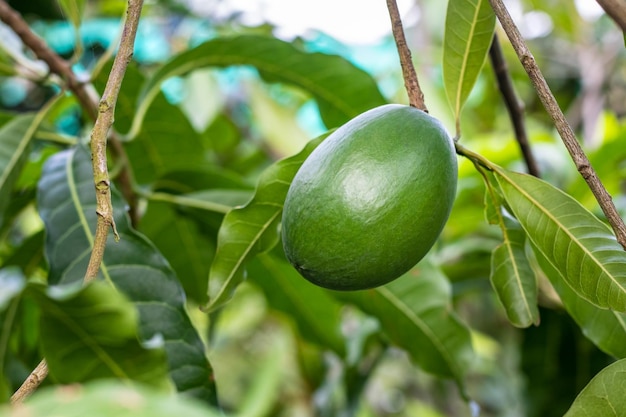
(371, 200)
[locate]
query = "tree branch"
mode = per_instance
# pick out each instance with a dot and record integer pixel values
(99, 135)
(616, 9)
(416, 96)
(562, 126)
(84, 93)
(513, 105)
(32, 382)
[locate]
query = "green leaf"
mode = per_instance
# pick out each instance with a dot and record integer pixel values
(180, 239)
(90, 332)
(575, 242)
(188, 181)
(316, 314)
(468, 34)
(252, 229)
(604, 395)
(66, 201)
(414, 312)
(15, 139)
(605, 328)
(107, 398)
(12, 284)
(512, 276)
(342, 90)
(166, 142)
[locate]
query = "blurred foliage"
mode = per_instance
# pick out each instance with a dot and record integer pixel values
(208, 135)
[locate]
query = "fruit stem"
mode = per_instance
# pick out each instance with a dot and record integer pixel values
(474, 157)
(411, 83)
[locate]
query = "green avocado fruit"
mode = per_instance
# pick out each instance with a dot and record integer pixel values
(371, 200)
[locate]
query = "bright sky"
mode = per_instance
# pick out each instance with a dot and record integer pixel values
(357, 21)
(350, 21)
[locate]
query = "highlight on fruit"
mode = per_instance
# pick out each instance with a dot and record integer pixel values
(371, 200)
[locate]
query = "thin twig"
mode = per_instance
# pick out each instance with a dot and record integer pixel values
(513, 104)
(562, 126)
(416, 96)
(617, 10)
(85, 93)
(99, 134)
(31, 383)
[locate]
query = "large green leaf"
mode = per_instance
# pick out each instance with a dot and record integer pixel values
(90, 332)
(316, 314)
(66, 201)
(414, 312)
(605, 328)
(15, 139)
(512, 276)
(107, 398)
(575, 242)
(342, 90)
(166, 142)
(468, 34)
(251, 229)
(604, 395)
(180, 239)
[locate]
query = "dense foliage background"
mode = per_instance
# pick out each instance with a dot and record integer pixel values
(209, 108)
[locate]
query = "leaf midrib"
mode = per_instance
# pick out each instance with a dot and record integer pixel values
(509, 245)
(459, 90)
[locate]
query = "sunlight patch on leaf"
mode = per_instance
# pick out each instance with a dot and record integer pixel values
(107, 398)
